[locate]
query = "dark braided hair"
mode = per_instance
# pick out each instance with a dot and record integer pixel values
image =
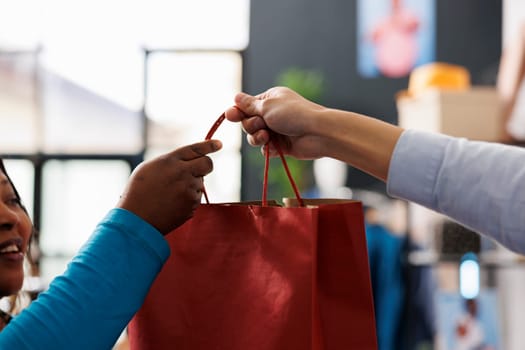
(2, 168)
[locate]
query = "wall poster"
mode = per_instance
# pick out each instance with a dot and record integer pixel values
(394, 36)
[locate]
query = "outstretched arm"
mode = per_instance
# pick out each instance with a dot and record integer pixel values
(105, 284)
(308, 131)
(481, 185)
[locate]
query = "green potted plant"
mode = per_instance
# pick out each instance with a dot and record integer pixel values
(308, 83)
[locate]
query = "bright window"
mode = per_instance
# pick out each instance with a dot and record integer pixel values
(88, 95)
(187, 91)
(77, 194)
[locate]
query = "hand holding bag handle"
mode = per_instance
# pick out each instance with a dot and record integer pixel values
(273, 278)
(210, 134)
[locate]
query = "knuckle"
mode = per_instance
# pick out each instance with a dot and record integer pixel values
(209, 164)
(197, 149)
(246, 125)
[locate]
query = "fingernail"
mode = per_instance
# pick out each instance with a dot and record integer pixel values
(217, 145)
(259, 139)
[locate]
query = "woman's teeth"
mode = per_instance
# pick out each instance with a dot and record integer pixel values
(13, 248)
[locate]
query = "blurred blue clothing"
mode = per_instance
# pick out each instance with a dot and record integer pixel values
(403, 293)
(419, 320)
(385, 252)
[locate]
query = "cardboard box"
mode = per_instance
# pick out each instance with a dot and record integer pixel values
(474, 113)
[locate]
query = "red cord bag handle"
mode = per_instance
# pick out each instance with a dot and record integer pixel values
(212, 131)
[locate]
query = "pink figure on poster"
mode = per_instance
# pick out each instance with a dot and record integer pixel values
(395, 41)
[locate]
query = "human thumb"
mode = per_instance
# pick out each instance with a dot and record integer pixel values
(248, 104)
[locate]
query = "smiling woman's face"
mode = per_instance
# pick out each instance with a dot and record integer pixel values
(15, 231)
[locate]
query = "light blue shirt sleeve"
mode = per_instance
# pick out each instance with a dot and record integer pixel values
(480, 185)
(104, 285)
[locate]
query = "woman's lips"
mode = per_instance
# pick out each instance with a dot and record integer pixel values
(14, 257)
(11, 250)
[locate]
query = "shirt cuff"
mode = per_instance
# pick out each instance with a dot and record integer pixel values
(414, 167)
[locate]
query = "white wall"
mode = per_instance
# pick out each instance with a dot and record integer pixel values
(511, 282)
(513, 16)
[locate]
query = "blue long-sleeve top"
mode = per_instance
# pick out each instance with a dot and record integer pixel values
(479, 184)
(103, 286)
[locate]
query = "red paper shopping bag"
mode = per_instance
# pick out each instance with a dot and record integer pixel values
(248, 276)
